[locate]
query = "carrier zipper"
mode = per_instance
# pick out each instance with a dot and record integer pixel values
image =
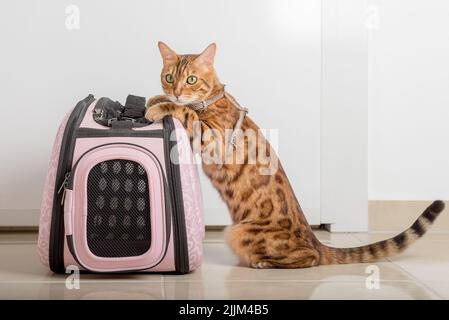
(56, 245)
(63, 187)
(174, 179)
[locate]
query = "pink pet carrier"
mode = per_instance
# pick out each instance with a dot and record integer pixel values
(122, 194)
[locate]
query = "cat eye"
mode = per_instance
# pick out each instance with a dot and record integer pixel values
(169, 78)
(191, 80)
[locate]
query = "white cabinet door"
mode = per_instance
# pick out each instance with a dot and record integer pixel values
(268, 55)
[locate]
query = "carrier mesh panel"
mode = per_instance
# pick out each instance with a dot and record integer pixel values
(118, 210)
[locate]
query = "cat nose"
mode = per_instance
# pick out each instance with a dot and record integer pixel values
(177, 92)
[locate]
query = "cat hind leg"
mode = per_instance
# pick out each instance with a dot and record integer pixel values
(260, 248)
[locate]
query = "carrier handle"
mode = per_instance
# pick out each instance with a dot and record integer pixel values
(112, 114)
(134, 107)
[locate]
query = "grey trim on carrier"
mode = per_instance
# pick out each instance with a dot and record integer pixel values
(100, 133)
(174, 184)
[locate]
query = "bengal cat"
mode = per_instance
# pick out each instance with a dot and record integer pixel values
(269, 228)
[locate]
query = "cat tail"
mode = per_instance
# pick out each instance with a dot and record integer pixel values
(386, 248)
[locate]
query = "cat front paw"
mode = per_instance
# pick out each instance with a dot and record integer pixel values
(157, 112)
(157, 99)
(260, 265)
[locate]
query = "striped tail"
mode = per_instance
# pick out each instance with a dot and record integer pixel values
(385, 248)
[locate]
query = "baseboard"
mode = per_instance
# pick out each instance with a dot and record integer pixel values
(397, 215)
(215, 228)
(384, 216)
(23, 218)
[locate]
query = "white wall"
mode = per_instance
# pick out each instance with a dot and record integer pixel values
(409, 100)
(268, 55)
(45, 69)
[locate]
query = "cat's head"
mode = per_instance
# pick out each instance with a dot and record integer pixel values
(188, 78)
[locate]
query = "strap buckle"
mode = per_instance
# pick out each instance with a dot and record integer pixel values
(110, 121)
(127, 119)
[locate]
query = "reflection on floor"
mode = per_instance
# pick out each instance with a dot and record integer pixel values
(422, 272)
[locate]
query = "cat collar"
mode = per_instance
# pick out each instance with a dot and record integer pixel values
(203, 105)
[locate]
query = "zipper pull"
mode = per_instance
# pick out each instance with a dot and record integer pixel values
(63, 187)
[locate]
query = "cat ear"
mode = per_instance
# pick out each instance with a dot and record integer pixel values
(168, 55)
(206, 58)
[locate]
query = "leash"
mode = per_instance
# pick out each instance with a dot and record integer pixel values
(238, 125)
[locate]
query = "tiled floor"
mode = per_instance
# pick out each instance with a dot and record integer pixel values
(420, 273)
